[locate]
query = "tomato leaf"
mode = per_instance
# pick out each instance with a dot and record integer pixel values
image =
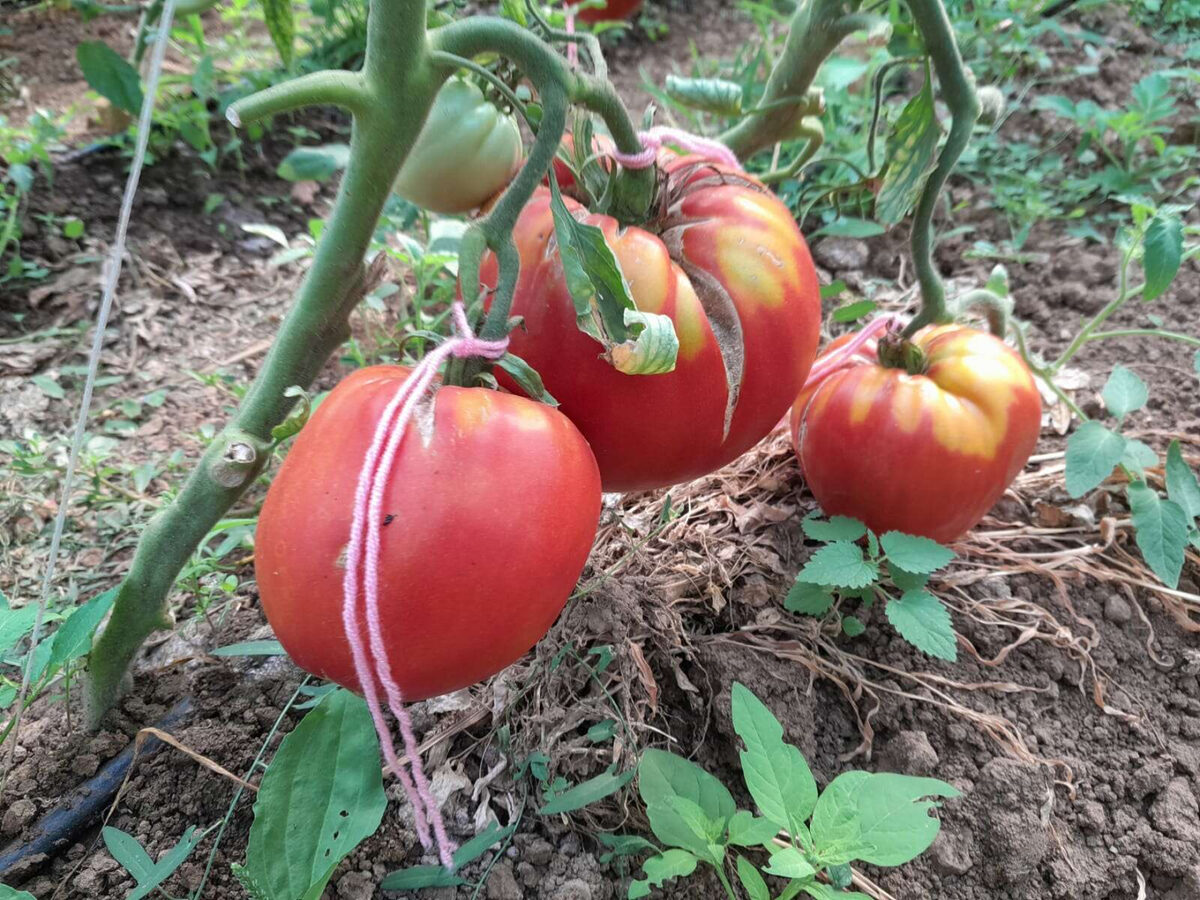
(775, 772)
(314, 163)
(1163, 254)
(1093, 451)
(1182, 486)
(590, 791)
(320, 797)
(526, 377)
(1124, 392)
(1162, 531)
(840, 564)
(753, 883)
(714, 95)
(808, 599)
(922, 620)
(110, 76)
(653, 347)
(281, 25)
(882, 819)
(918, 555)
(838, 528)
(661, 869)
(911, 150)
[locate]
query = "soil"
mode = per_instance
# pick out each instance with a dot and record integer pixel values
(1071, 722)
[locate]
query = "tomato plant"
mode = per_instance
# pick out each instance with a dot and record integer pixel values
(609, 11)
(919, 436)
(467, 152)
(725, 261)
(495, 504)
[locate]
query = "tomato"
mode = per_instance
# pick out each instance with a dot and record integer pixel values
(467, 151)
(727, 263)
(495, 505)
(926, 454)
(612, 11)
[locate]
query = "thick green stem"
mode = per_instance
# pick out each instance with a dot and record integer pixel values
(391, 99)
(958, 90)
(815, 31)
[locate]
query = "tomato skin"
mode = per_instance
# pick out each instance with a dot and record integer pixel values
(494, 519)
(612, 11)
(466, 152)
(924, 454)
(730, 239)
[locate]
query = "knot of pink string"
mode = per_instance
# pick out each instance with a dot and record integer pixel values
(830, 362)
(360, 585)
(659, 136)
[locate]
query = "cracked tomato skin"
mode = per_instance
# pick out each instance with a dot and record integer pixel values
(727, 263)
(924, 454)
(495, 508)
(612, 11)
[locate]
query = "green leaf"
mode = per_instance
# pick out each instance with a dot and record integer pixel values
(752, 882)
(250, 648)
(882, 819)
(840, 564)
(417, 877)
(513, 9)
(854, 311)
(821, 891)
(1124, 392)
(833, 289)
(48, 386)
(623, 845)
(74, 636)
(1093, 451)
(923, 621)
(808, 599)
(1196, 362)
(918, 555)
(15, 624)
(775, 772)
(838, 528)
(320, 797)
(906, 581)
(110, 76)
(1163, 254)
(847, 226)
(281, 25)
(789, 862)
(852, 626)
(526, 377)
(588, 792)
(652, 348)
(1162, 530)
(1138, 455)
(1182, 486)
(482, 842)
(662, 868)
(314, 163)
(148, 873)
(911, 150)
(662, 776)
(749, 830)
(9, 893)
(714, 95)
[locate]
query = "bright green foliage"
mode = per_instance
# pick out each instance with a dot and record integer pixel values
(913, 148)
(1093, 451)
(321, 796)
(1162, 255)
(1124, 392)
(109, 75)
(149, 874)
(883, 819)
(893, 567)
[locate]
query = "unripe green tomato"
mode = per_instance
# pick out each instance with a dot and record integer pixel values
(466, 153)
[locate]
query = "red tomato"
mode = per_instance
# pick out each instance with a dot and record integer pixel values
(926, 454)
(727, 263)
(612, 11)
(495, 508)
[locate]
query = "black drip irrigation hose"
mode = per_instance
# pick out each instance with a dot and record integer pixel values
(79, 809)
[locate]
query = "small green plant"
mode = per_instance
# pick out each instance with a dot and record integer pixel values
(893, 568)
(809, 839)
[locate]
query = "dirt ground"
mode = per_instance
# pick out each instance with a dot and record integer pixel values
(1071, 722)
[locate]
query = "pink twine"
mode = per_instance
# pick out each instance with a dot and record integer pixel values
(654, 140)
(572, 47)
(837, 359)
(365, 530)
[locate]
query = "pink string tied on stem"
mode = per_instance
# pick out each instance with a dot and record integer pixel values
(841, 357)
(659, 136)
(371, 664)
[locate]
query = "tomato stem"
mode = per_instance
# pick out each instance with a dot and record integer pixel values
(898, 352)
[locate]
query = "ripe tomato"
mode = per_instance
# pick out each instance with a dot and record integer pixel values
(495, 504)
(466, 152)
(928, 453)
(612, 11)
(727, 263)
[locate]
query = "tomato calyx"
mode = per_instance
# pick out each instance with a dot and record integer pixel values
(898, 352)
